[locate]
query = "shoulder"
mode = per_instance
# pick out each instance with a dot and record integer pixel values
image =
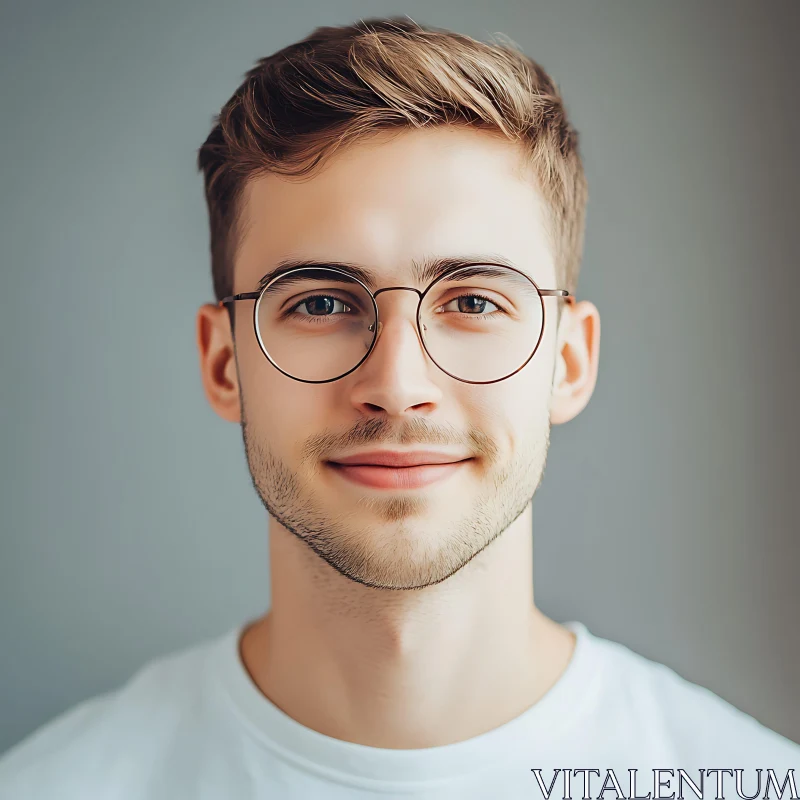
(109, 741)
(655, 702)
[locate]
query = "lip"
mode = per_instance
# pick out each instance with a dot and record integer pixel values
(388, 477)
(394, 458)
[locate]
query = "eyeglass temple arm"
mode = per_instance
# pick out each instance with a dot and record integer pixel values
(558, 293)
(243, 296)
(254, 296)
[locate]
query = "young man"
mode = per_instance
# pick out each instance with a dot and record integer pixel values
(397, 220)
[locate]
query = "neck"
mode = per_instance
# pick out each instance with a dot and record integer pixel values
(405, 669)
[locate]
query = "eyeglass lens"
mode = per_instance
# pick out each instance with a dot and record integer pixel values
(479, 323)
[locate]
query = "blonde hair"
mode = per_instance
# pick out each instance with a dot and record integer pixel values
(298, 106)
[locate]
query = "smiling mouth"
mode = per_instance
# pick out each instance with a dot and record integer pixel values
(380, 476)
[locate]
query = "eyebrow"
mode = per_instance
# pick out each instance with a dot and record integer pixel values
(423, 272)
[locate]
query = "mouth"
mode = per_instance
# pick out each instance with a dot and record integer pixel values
(381, 476)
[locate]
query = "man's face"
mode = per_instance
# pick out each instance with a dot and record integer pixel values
(384, 203)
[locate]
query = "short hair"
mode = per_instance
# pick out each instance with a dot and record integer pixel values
(340, 84)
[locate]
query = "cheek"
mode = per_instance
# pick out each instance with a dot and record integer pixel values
(285, 413)
(513, 410)
(276, 406)
(531, 389)
(533, 384)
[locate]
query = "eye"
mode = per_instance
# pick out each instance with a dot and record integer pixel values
(472, 304)
(321, 305)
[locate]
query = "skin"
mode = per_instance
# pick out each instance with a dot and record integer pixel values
(401, 619)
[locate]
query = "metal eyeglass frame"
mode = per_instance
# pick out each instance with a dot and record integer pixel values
(257, 296)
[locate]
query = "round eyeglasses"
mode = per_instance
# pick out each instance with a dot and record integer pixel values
(479, 323)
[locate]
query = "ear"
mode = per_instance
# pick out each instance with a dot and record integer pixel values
(577, 356)
(218, 368)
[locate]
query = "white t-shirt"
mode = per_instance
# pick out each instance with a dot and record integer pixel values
(193, 725)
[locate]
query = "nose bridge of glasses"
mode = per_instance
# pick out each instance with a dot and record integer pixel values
(396, 288)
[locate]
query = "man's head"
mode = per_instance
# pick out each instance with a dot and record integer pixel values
(386, 145)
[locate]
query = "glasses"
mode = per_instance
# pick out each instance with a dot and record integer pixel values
(479, 323)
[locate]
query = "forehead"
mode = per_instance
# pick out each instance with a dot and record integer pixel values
(396, 199)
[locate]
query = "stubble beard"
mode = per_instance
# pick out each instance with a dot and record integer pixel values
(406, 553)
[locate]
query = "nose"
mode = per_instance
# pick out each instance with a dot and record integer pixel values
(396, 378)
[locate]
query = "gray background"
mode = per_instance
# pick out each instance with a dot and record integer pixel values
(667, 519)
